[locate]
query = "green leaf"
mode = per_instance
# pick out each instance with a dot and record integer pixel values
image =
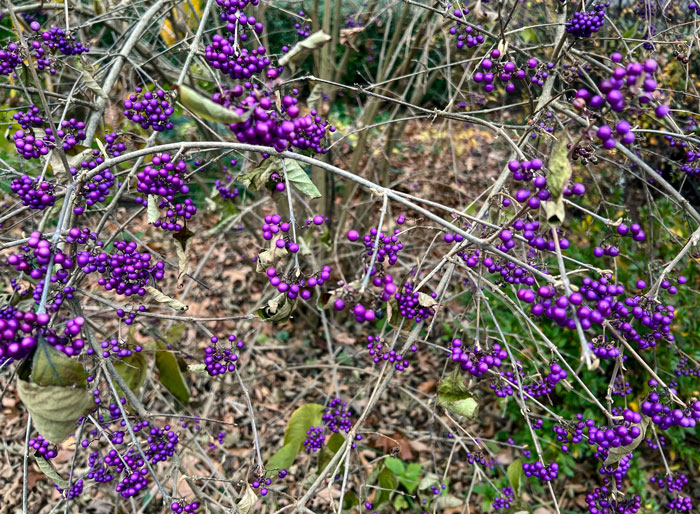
(277, 309)
(299, 179)
(387, 483)
(284, 457)
(169, 373)
(410, 477)
(50, 471)
(350, 500)
(303, 418)
(329, 450)
(133, 370)
(52, 367)
(453, 396)
(54, 409)
(152, 211)
(303, 48)
(557, 178)
(400, 503)
(395, 465)
(207, 109)
(515, 473)
(616, 454)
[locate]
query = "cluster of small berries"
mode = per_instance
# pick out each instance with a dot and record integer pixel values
(603, 501)
(503, 501)
(150, 109)
(545, 473)
(280, 129)
(477, 360)
(182, 507)
(33, 194)
(263, 483)
(126, 271)
(219, 362)
(470, 37)
(585, 23)
(43, 448)
(378, 352)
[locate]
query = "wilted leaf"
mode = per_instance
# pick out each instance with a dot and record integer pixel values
(52, 367)
(183, 243)
(299, 179)
(270, 258)
(449, 501)
(557, 178)
(616, 454)
(93, 85)
(55, 409)
(303, 418)
(159, 297)
(246, 503)
(303, 48)
(483, 14)
(169, 373)
(208, 109)
(152, 210)
(277, 309)
(256, 179)
(453, 396)
(50, 471)
(515, 473)
(315, 97)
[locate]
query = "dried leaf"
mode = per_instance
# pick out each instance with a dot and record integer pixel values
(557, 178)
(153, 212)
(159, 297)
(183, 243)
(93, 85)
(299, 179)
(303, 48)
(277, 309)
(52, 367)
(315, 97)
(247, 502)
(270, 258)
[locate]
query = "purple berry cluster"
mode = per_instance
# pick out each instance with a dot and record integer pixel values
(221, 361)
(125, 271)
(477, 360)
(336, 417)
(31, 146)
(503, 501)
(33, 194)
(263, 482)
(181, 507)
(568, 432)
(150, 109)
(377, 350)
(469, 37)
(544, 472)
(10, 58)
(603, 501)
(409, 304)
(235, 19)
(43, 448)
(240, 64)
(269, 127)
(665, 417)
(586, 23)
(75, 490)
(508, 72)
(21, 331)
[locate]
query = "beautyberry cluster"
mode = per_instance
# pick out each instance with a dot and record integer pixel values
(585, 23)
(221, 361)
(33, 194)
(43, 448)
(477, 360)
(150, 109)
